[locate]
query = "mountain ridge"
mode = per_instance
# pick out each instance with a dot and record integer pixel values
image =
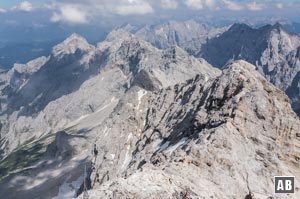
(206, 133)
(152, 115)
(271, 49)
(61, 76)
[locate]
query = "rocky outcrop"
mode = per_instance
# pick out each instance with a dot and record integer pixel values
(187, 139)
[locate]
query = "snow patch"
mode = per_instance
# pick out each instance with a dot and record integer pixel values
(113, 156)
(36, 99)
(156, 144)
(163, 147)
(141, 94)
(105, 131)
(129, 137)
(126, 160)
(167, 147)
(107, 105)
(171, 149)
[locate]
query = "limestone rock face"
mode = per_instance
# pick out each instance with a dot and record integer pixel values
(51, 120)
(78, 78)
(225, 138)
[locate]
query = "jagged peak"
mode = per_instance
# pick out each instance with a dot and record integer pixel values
(237, 66)
(266, 28)
(130, 27)
(114, 39)
(29, 67)
(174, 49)
(120, 39)
(280, 28)
(248, 77)
(277, 27)
(240, 26)
(71, 44)
(132, 46)
(243, 70)
(75, 36)
(36, 61)
(118, 34)
(240, 65)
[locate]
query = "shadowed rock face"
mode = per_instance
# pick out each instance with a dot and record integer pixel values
(239, 42)
(63, 73)
(272, 49)
(60, 146)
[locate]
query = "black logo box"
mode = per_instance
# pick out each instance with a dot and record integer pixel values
(284, 180)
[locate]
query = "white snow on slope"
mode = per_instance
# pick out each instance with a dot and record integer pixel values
(175, 146)
(141, 94)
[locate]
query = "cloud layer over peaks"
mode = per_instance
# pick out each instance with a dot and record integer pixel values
(85, 11)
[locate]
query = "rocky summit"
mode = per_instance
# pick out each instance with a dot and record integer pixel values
(124, 119)
(185, 140)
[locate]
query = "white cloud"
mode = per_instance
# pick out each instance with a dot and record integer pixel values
(255, 6)
(2, 10)
(25, 6)
(210, 3)
(195, 4)
(279, 5)
(134, 7)
(70, 14)
(50, 6)
(81, 11)
(200, 4)
(232, 5)
(169, 4)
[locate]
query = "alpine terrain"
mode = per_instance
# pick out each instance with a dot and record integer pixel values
(272, 49)
(189, 35)
(125, 119)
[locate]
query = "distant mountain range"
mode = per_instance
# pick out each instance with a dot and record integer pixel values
(22, 42)
(188, 35)
(273, 49)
